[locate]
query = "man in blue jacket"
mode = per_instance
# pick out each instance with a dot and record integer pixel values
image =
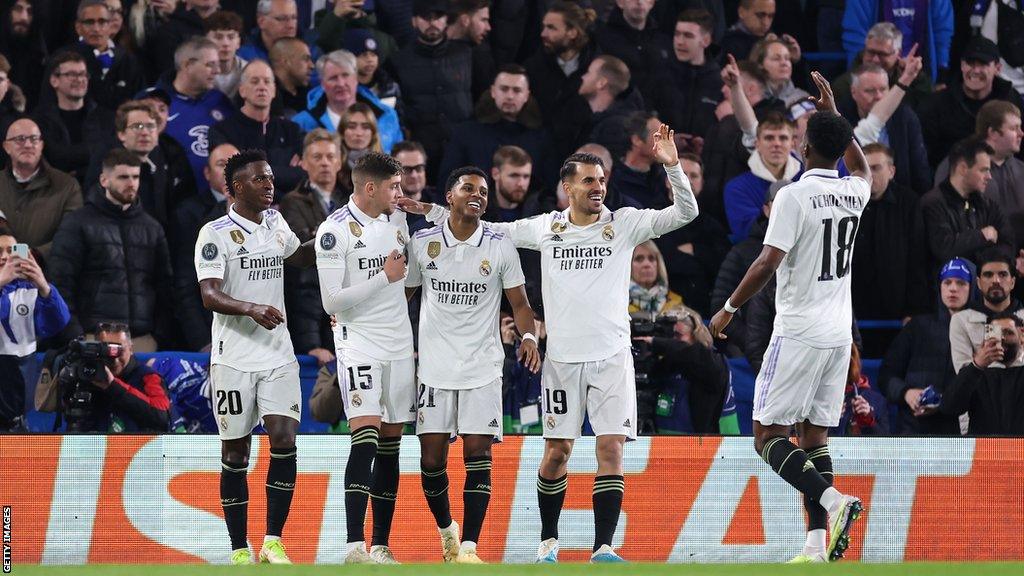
(929, 24)
(30, 309)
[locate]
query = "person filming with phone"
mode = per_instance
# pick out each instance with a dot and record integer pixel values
(990, 389)
(996, 279)
(30, 309)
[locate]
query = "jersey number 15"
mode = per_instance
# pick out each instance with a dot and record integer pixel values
(847, 232)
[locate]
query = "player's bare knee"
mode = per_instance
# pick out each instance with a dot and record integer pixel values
(477, 447)
(609, 451)
(432, 460)
(235, 452)
(556, 453)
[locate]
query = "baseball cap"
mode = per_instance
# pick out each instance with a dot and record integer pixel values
(153, 92)
(423, 8)
(981, 49)
(956, 268)
(359, 40)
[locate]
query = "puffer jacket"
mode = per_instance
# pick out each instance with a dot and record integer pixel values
(111, 265)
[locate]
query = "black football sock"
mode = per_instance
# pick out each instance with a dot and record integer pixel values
(607, 499)
(476, 495)
(234, 498)
(791, 463)
(357, 480)
(280, 487)
(435, 488)
(550, 497)
(817, 518)
(385, 488)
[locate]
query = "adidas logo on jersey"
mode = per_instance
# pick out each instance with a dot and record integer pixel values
(431, 266)
(556, 238)
(626, 423)
(242, 251)
(494, 423)
(295, 408)
(359, 244)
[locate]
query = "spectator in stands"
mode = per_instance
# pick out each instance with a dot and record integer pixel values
(996, 280)
(870, 102)
(293, 70)
(469, 23)
(275, 19)
(185, 22)
(565, 55)
(632, 35)
(511, 198)
(179, 171)
(145, 17)
(195, 104)
(889, 246)
(305, 208)
(610, 98)
(950, 115)
(770, 162)
(34, 196)
(131, 396)
(776, 63)
(110, 259)
(339, 89)
(72, 125)
(990, 388)
(883, 47)
(735, 266)
(189, 217)
(999, 125)
(256, 127)
(115, 73)
(31, 309)
(22, 42)
(413, 158)
(754, 23)
(919, 357)
(506, 116)
(334, 23)
(636, 179)
(359, 136)
(929, 25)
(694, 253)
(688, 86)
(864, 411)
(435, 76)
(959, 219)
(369, 69)
(12, 101)
(225, 29)
(649, 291)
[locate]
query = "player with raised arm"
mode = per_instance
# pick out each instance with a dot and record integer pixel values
(360, 263)
(586, 254)
(809, 246)
(239, 262)
(462, 267)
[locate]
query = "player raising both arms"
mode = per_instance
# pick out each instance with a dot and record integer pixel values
(239, 261)
(463, 266)
(586, 259)
(809, 246)
(360, 263)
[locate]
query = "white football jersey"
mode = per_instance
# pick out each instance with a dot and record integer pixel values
(249, 258)
(814, 221)
(462, 284)
(354, 247)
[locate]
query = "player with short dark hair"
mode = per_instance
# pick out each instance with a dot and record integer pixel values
(359, 259)
(239, 261)
(809, 247)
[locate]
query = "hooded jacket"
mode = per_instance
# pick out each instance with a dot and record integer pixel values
(315, 115)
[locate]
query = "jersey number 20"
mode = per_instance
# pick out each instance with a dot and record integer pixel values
(847, 230)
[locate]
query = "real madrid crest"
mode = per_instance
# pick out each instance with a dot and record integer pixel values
(485, 267)
(558, 226)
(608, 232)
(236, 235)
(401, 237)
(355, 229)
(433, 249)
(280, 239)
(356, 400)
(551, 422)
(420, 418)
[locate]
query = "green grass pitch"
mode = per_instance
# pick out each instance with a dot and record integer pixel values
(838, 569)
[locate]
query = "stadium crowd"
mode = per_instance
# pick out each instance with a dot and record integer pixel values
(118, 118)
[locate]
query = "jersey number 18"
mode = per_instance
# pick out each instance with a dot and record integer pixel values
(847, 233)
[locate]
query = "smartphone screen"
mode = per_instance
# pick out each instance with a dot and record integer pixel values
(20, 250)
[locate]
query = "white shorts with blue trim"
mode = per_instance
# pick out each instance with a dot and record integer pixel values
(800, 383)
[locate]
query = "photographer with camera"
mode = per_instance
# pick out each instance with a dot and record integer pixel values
(104, 388)
(681, 381)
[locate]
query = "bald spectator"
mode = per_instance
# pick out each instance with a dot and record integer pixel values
(225, 30)
(34, 196)
(72, 125)
(632, 35)
(293, 69)
(275, 19)
(255, 126)
(469, 23)
(186, 21)
(115, 73)
(195, 104)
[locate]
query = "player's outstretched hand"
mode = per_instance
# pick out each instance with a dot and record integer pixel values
(413, 207)
(266, 316)
(826, 101)
(529, 355)
(718, 324)
(394, 266)
(664, 148)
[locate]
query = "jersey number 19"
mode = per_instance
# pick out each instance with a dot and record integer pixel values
(847, 230)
